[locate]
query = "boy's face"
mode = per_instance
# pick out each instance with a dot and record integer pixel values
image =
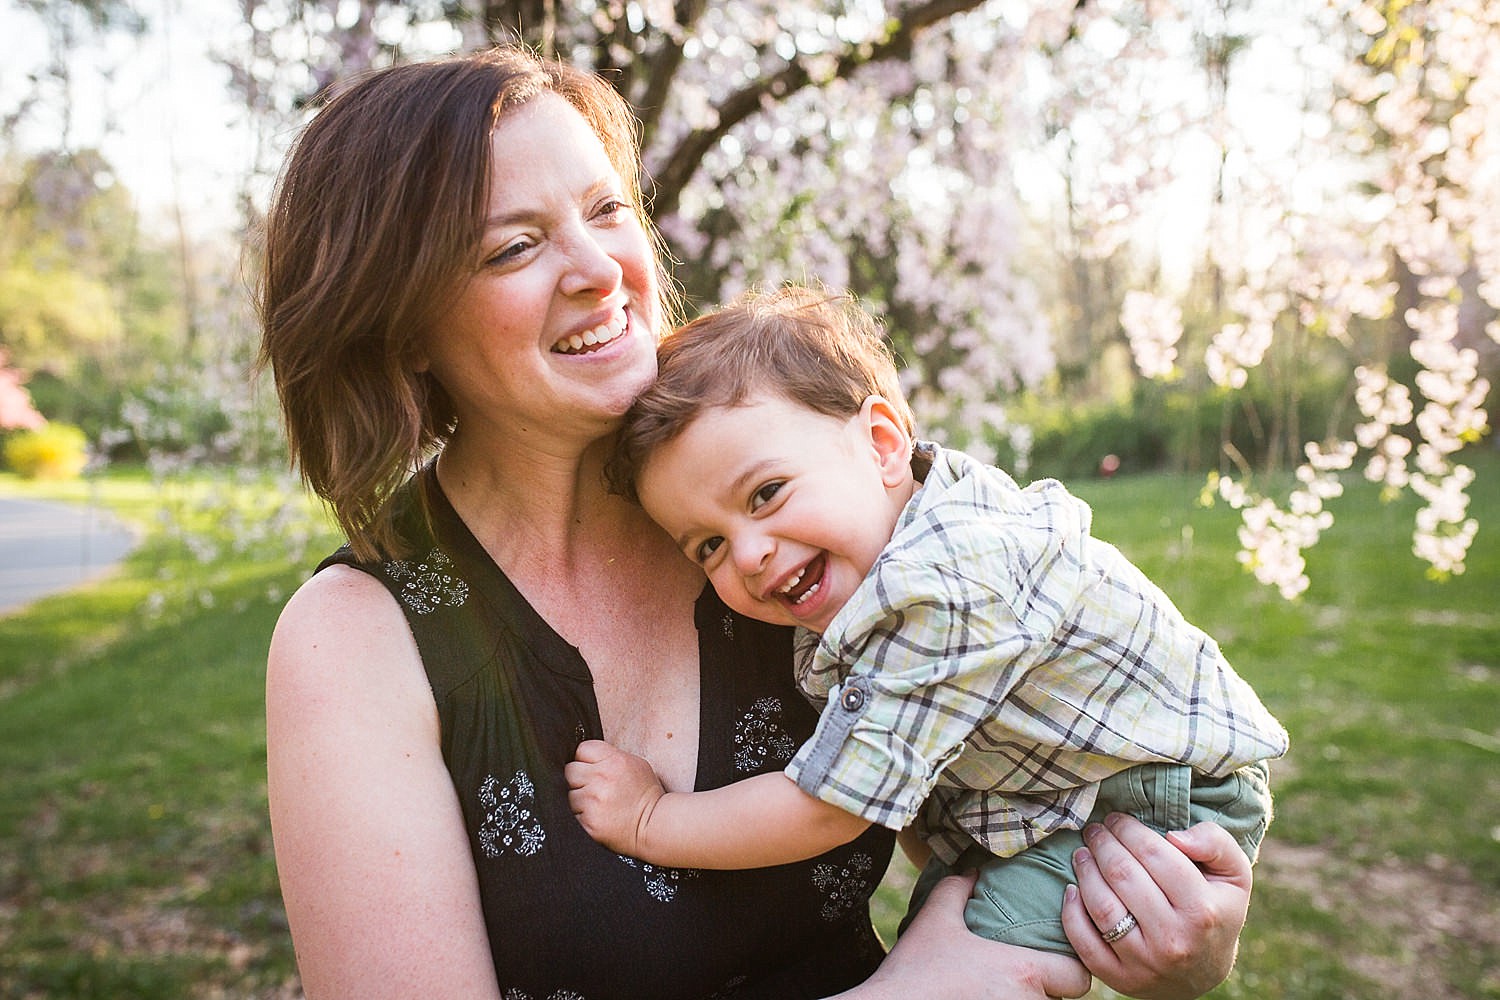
(784, 508)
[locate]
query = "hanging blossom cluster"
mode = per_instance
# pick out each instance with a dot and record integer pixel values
(1452, 416)
(1273, 539)
(1441, 113)
(1239, 347)
(1386, 406)
(1154, 325)
(1431, 117)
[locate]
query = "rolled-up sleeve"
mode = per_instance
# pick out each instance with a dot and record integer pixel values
(929, 658)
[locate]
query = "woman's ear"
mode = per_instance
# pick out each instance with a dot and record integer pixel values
(888, 439)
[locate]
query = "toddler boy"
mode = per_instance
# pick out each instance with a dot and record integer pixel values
(991, 675)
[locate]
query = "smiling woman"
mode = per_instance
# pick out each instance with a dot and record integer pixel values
(559, 316)
(439, 672)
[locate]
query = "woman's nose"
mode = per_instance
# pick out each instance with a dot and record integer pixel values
(591, 267)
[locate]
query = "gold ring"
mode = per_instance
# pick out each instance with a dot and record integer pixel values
(1125, 926)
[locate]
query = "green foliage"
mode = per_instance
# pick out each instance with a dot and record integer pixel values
(53, 451)
(50, 318)
(1173, 426)
(90, 306)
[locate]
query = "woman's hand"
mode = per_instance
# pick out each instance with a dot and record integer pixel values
(1188, 894)
(940, 958)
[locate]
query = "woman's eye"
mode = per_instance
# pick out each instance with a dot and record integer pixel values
(707, 548)
(509, 252)
(612, 207)
(763, 496)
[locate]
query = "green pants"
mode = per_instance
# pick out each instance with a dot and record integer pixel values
(1019, 899)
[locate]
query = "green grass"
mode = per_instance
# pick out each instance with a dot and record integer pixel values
(1381, 877)
(135, 854)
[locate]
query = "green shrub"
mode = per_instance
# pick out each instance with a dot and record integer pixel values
(55, 451)
(1172, 427)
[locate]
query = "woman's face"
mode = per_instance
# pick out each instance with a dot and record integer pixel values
(555, 333)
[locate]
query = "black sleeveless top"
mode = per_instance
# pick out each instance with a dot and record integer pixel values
(567, 918)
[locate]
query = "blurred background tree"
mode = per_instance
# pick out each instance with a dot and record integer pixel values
(1194, 235)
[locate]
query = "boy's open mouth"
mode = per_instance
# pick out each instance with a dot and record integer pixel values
(806, 583)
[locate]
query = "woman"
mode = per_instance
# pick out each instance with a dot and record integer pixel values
(457, 262)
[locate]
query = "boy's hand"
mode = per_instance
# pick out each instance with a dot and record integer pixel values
(613, 794)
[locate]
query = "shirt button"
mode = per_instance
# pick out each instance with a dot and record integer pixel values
(853, 699)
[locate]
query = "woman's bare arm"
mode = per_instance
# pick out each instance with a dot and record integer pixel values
(375, 867)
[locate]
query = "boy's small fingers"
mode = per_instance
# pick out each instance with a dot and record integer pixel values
(592, 751)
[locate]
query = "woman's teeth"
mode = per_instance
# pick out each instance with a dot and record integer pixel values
(601, 334)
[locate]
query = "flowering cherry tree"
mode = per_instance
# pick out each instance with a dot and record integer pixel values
(882, 147)
(1417, 245)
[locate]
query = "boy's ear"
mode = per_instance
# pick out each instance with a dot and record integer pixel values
(889, 439)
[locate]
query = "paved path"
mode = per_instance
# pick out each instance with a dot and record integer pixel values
(50, 547)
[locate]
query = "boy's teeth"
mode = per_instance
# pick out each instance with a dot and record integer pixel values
(810, 591)
(792, 582)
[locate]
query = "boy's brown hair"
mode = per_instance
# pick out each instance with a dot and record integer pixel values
(814, 347)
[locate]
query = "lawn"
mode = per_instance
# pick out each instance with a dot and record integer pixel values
(135, 855)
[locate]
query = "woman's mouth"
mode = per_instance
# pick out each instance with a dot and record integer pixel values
(595, 337)
(805, 584)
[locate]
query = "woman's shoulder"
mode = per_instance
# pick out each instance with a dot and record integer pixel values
(339, 595)
(342, 638)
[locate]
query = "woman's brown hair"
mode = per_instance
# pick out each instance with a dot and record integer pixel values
(374, 225)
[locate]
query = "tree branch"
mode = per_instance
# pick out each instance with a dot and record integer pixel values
(683, 162)
(664, 70)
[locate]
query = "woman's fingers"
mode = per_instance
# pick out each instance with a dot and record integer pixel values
(1083, 933)
(948, 898)
(942, 957)
(1216, 854)
(1127, 857)
(1174, 925)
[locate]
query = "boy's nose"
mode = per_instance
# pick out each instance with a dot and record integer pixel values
(752, 553)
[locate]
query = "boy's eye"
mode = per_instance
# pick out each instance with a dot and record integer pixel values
(707, 548)
(763, 495)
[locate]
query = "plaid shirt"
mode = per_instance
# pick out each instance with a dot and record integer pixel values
(998, 662)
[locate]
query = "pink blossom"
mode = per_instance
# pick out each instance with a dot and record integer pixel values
(16, 409)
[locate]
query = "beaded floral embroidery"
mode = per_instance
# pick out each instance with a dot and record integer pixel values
(509, 826)
(428, 583)
(759, 740)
